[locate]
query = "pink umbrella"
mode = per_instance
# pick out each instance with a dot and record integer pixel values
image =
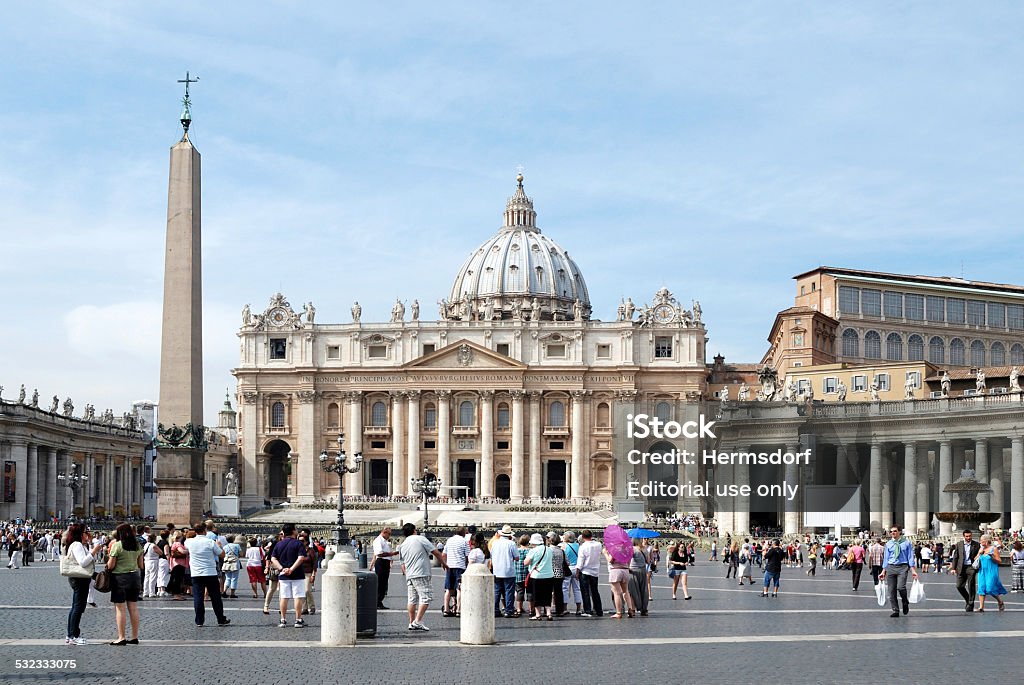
(618, 544)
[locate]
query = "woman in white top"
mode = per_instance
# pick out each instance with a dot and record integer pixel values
(151, 555)
(78, 567)
(926, 558)
(255, 557)
(477, 545)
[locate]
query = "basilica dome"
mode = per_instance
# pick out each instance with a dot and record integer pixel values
(519, 273)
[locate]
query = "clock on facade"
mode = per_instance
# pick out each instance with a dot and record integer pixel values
(664, 313)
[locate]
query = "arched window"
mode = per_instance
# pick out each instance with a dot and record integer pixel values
(663, 410)
(556, 414)
(894, 347)
(379, 414)
(936, 350)
(1017, 354)
(998, 354)
(503, 421)
(429, 416)
(956, 352)
(466, 413)
(915, 348)
(851, 343)
(977, 353)
(277, 415)
(333, 414)
(603, 415)
(872, 345)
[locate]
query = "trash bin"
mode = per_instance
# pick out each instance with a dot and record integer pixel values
(366, 603)
(362, 560)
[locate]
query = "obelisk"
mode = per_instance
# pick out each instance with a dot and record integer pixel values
(181, 441)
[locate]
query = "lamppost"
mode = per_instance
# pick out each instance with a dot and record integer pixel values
(428, 486)
(339, 465)
(74, 481)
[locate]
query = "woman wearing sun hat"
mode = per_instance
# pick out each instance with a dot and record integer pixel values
(541, 577)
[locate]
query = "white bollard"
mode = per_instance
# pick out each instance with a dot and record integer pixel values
(338, 599)
(477, 624)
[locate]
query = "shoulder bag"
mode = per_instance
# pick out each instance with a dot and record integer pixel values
(70, 567)
(102, 580)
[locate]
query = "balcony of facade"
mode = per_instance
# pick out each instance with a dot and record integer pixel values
(465, 431)
(556, 430)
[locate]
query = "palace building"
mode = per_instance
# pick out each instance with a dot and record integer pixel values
(514, 391)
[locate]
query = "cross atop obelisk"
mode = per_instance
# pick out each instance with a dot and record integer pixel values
(186, 102)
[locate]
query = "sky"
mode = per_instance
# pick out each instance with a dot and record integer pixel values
(358, 152)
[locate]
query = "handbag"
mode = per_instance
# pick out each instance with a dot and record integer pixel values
(70, 567)
(102, 581)
(976, 564)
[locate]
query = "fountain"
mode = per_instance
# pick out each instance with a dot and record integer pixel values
(967, 514)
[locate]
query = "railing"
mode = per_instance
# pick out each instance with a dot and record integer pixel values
(377, 430)
(464, 430)
(739, 411)
(556, 430)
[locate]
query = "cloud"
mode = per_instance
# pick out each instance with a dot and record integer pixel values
(102, 333)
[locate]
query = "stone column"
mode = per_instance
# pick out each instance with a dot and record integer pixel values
(578, 439)
(251, 487)
(486, 486)
(516, 494)
(875, 485)
(910, 504)
(842, 466)
(111, 486)
(32, 481)
(305, 464)
(399, 478)
(725, 507)
(791, 474)
(536, 471)
(414, 438)
(741, 516)
(65, 502)
(444, 437)
(888, 470)
(1017, 483)
(982, 473)
(923, 501)
(354, 486)
(945, 477)
(996, 480)
(50, 500)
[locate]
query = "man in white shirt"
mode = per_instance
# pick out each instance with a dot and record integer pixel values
(503, 565)
(589, 567)
(455, 557)
(415, 554)
(204, 555)
(381, 564)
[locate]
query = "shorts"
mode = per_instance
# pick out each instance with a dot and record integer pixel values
(256, 574)
(418, 590)
(125, 587)
(521, 592)
(618, 575)
(292, 588)
(453, 578)
(676, 572)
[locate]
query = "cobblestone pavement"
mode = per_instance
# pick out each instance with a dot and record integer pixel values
(816, 631)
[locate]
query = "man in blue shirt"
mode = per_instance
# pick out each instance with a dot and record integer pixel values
(897, 560)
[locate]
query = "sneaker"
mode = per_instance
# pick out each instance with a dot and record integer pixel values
(586, 615)
(69, 640)
(282, 623)
(223, 621)
(420, 627)
(79, 641)
(412, 626)
(300, 623)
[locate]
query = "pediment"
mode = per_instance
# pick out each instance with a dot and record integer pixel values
(463, 354)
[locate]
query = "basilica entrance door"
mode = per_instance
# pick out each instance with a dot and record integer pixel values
(556, 479)
(467, 476)
(503, 487)
(378, 478)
